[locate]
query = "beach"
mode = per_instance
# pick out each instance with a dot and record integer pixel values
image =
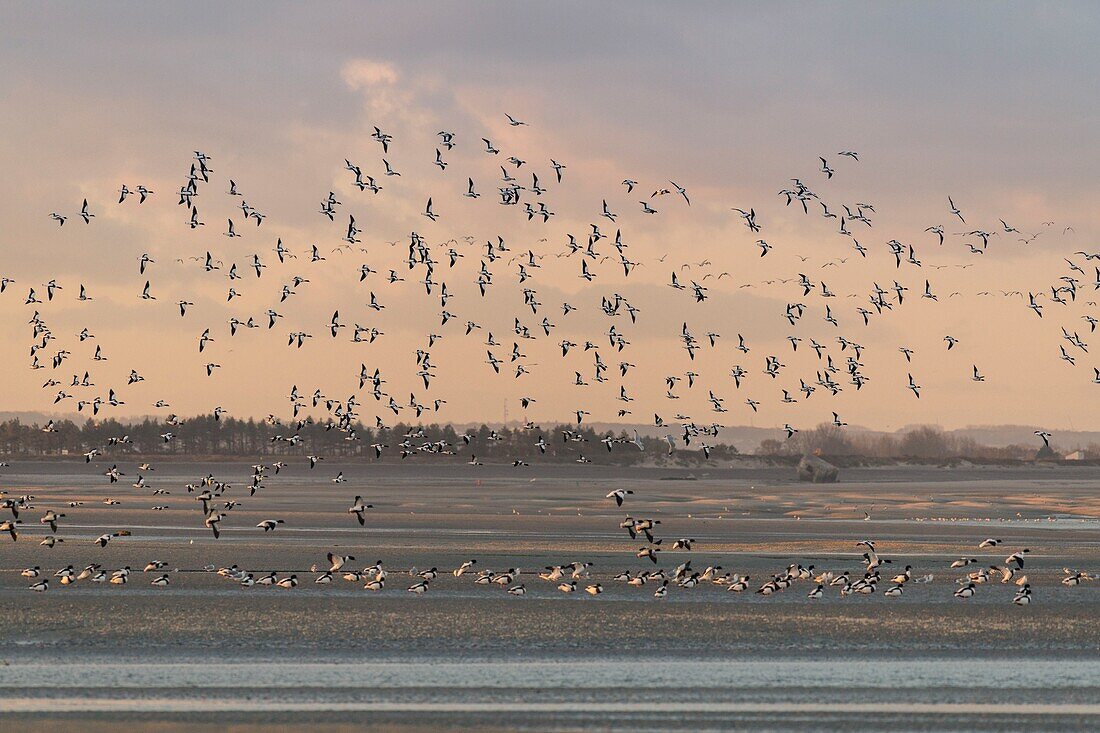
(205, 651)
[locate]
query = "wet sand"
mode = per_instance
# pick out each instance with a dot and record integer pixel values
(490, 656)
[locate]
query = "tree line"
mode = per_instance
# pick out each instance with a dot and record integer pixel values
(206, 436)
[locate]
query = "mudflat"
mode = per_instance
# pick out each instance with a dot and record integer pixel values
(206, 652)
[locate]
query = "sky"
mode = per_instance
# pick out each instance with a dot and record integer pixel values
(989, 103)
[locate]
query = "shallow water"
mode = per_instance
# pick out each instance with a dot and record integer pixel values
(851, 693)
(1026, 675)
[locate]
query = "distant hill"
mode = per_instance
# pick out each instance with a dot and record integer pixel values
(30, 418)
(1001, 435)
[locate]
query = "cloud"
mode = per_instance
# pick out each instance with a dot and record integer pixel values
(366, 73)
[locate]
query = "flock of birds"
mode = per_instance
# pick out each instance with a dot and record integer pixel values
(600, 253)
(567, 578)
